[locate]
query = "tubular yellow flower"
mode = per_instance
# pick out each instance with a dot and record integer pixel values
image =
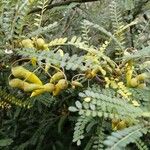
(49, 87)
(21, 72)
(27, 87)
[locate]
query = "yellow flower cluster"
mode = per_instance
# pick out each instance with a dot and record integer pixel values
(119, 86)
(37, 43)
(121, 89)
(34, 43)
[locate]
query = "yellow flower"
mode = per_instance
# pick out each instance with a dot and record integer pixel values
(135, 103)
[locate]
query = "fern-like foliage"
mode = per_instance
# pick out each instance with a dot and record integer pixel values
(69, 62)
(141, 145)
(104, 31)
(117, 22)
(6, 17)
(13, 18)
(19, 20)
(4, 105)
(39, 16)
(73, 62)
(42, 30)
(93, 79)
(8, 99)
(141, 54)
(108, 106)
(79, 128)
(85, 31)
(142, 95)
(115, 15)
(104, 104)
(120, 139)
(100, 135)
(75, 41)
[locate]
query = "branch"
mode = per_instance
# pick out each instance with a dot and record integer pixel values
(50, 6)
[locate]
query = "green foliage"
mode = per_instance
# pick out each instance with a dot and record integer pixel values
(5, 142)
(42, 30)
(79, 129)
(107, 106)
(117, 22)
(42, 4)
(141, 145)
(69, 62)
(103, 31)
(8, 99)
(120, 139)
(97, 48)
(143, 53)
(142, 95)
(98, 141)
(13, 24)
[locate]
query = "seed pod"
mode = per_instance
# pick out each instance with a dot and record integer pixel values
(61, 85)
(88, 75)
(56, 91)
(49, 87)
(76, 84)
(40, 44)
(27, 43)
(25, 86)
(16, 83)
(128, 77)
(134, 82)
(31, 87)
(21, 72)
(45, 47)
(57, 76)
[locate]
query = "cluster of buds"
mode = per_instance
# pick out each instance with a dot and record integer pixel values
(36, 43)
(31, 83)
(27, 81)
